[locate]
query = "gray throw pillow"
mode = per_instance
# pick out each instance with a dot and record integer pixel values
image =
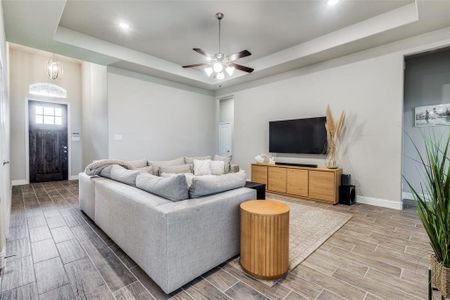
(123, 175)
(176, 169)
(226, 160)
(174, 188)
(190, 159)
(156, 164)
(212, 184)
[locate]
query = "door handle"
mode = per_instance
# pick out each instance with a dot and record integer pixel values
(5, 162)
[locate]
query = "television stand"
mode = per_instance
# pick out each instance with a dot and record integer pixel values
(297, 165)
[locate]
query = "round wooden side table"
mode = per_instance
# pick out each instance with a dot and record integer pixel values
(265, 238)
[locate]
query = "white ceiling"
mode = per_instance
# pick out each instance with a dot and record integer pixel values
(170, 29)
(282, 35)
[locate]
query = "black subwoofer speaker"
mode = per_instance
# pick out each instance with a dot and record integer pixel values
(347, 194)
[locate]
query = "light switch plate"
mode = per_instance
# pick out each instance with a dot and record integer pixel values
(118, 137)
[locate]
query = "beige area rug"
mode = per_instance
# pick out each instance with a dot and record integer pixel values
(309, 228)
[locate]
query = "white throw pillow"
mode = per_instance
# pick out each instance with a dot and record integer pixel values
(217, 167)
(202, 167)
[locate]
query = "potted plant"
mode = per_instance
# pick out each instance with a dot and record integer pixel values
(433, 205)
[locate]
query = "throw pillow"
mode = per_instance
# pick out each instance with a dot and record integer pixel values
(202, 167)
(147, 169)
(138, 163)
(190, 159)
(123, 175)
(157, 164)
(174, 188)
(208, 185)
(226, 160)
(217, 167)
(176, 169)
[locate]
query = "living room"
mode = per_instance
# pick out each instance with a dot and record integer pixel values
(135, 142)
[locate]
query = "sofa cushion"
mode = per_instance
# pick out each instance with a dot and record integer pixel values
(123, 175)
(185, 168)
(189, 176)
(158, 163)
(202, 167)
(226, 160)
(208, 185)
(138, 163)
(190, 159)
(217, 167)
(174, 188)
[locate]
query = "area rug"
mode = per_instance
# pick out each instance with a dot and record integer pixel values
(309, 228)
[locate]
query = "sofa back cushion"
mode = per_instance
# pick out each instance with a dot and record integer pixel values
(190, 159)
(157, 164)
(208, 185)
(121, 174)
(174, 188)
(185, 168)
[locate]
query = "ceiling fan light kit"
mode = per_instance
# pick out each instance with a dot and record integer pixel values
(220, 64)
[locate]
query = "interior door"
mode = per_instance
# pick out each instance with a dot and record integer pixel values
(48, 150)
(225, 138)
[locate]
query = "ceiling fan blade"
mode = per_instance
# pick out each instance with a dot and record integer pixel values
(195, 65)
(238, 55)
(242, 68)
(200, 51)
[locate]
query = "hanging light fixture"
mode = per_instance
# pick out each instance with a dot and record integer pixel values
(54, 68)
(219, 64)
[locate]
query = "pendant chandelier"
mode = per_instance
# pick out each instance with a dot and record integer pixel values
(54, 68)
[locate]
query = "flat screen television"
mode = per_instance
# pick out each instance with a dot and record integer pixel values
(301, 136)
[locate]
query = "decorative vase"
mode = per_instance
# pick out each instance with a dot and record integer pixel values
(440, 277)
(331, 159)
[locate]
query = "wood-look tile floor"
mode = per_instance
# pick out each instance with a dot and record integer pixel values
(56, 252)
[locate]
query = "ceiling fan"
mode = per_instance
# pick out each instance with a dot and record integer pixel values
(219, 63)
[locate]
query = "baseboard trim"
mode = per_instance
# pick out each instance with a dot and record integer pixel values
(19, 182)
(380, 202)
(407, 196)
(73, 177)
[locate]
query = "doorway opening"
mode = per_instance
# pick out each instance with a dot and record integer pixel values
(226, 123)
(48, 151)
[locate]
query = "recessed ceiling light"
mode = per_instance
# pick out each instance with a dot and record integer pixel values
(332, 2)
(124, 26)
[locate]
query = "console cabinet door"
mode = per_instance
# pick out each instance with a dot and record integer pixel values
(322, 186)
(277, 179)
(259, 174)
(297, 182)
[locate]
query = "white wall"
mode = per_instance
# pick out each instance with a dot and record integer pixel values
(369, 91)
(5, 184)
(156, 121)
(94, 131)
(368, 85)
(27, 68)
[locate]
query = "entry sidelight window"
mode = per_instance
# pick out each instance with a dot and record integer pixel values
(48, 115)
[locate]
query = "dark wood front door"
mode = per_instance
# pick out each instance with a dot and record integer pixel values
(48, 150)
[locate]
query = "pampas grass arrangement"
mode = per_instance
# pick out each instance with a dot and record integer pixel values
(334, 133)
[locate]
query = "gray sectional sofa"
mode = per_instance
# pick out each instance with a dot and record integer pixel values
(173, 242)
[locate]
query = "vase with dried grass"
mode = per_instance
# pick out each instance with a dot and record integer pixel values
(334, 133)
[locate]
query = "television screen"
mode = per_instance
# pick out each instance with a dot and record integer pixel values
(302, 136)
